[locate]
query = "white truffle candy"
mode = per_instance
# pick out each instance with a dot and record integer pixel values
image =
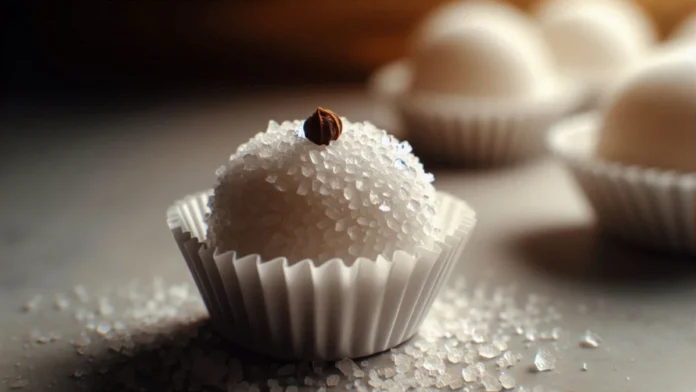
(596, 40)
(482, 50)
(363, 195)
(651, 120)
(391, 80)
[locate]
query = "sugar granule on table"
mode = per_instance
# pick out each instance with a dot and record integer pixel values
(156, 336)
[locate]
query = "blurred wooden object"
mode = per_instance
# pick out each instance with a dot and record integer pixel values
(362, 33)
(324, 40)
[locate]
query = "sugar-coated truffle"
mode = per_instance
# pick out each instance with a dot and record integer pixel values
(651, 119)
(596, 39)
(480, 49)
(362, 195)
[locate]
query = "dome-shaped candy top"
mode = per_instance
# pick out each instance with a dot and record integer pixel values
(651, 121)
(481, 49)
(362, 195)
(596, 39)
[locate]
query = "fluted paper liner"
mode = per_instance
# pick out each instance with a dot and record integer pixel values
(483, 134)
(329, 311)
(645, 205)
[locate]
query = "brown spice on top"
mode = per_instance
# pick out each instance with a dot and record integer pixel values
(323, 126)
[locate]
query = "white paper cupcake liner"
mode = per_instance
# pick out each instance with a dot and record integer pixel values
(327, 312)
(647, 206)
(483, 134)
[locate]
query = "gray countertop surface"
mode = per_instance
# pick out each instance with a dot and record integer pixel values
(83, 198)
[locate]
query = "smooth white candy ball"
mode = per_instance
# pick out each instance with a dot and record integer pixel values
(596, 40)
(651, 119)
(365, 194)
(391, 80)
(481, 49)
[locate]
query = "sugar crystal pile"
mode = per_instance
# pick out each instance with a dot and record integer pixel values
(155, 337)
(362, 194)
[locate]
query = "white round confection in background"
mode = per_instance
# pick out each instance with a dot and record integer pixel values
(386, 85)
(596, 40)
(391, 80)
(483, 50)
(650, 120)
(363, 195)
(686, 31)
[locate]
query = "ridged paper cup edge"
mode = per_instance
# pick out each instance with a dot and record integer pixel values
(332, 310)
(484, 134)
(647, 206)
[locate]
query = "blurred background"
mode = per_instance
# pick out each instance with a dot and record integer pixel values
(56, 48)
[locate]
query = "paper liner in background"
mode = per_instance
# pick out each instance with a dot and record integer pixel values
(483, 134)
(598, 87)
(647, 206)
(384, 86)
(331, 311)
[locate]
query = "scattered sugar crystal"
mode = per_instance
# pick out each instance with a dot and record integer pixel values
(32, 304)
(34, 335)
(470, 357)
(374, 382)
(488, 351)
(490, 383)
(584, 366)
(507, 360)
(43, 339)
(470, 373)
(82, 340)
(431, 363)
(455, 383)
(18, 383)
(544, 360)
(346, 366)
(442, 356)
(455, 355)
(403, 367)
(555, 333)
(79, 373)
(507, 380)
(103, 328)
(500, 344)
(61, 302)
(590, 340)
(479, 335)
